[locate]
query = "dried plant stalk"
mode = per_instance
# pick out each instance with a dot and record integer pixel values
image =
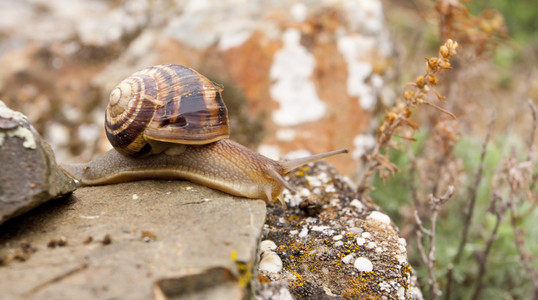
(398, 117)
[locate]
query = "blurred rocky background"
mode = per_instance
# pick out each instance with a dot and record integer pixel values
(296, 75)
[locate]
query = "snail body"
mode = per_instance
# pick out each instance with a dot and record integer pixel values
(157, 121)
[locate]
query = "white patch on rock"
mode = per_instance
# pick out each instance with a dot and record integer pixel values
(337, 237)
(267, 245)
(23, 133)
(234, 35)
(58, 134)
(286, 134)
(401, 293)
(313, 181)
(303, 233)
(363, 143)
(356, 229)
(293, 89)
(357, 204)
(271, 151)
(348, 259)
(204, 23)
(299, 12)
(379, 216)
(363, 264)
(297, 154)
(355, 48)
(270, 262)
(365, 15)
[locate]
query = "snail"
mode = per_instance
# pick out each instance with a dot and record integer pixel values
(169, 121)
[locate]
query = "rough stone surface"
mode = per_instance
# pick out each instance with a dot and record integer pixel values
(29, 174)
(133, 241)
(296, 75)
(334, 246)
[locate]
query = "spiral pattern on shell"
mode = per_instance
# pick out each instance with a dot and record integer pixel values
(164, 104)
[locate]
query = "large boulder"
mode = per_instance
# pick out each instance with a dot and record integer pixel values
(29, 174)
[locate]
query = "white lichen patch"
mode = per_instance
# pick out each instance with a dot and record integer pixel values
(363, 143)
(371, 245)
(299, 12)
(18, 131)
(293, 88)
(366, 34)
(355, 48)
(379, 216)
(363, 264)
(23, 133)
(286, 134)
(204, 23)
(304, 232)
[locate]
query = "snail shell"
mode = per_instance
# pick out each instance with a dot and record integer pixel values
(162, 106)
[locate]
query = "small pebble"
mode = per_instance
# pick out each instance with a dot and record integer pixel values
(62, 241)
(363, 264)
(267, 245)
(371, 245)
(270, 262)
(304, 232)
(348, 259)
(107, 240)
(339, 244)
(337, 237)
(148, 236)
(356, 203)
(88, 240)
(356, 229)
(366, 235)
(135, 196)
(360, 241)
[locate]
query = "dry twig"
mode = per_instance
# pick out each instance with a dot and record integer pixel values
(429, 258)
(498, 208)
(470, 208)
(520, 177)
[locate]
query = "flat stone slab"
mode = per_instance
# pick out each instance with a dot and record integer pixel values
(136, 240)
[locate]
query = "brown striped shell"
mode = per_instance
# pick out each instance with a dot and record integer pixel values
(164, 105)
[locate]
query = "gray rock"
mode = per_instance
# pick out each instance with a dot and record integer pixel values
(135, 240)
(29, 174)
